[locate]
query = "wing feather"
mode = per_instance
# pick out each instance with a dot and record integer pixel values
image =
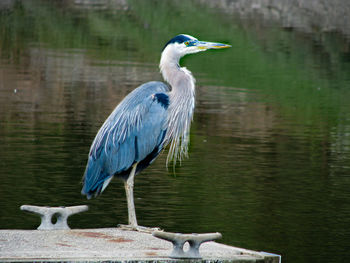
(134, 132)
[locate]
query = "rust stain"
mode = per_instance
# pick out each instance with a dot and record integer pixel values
(120, 240)
(93, 234)
(156, 248)
(104, 236)
(151, 254)
(63, 245)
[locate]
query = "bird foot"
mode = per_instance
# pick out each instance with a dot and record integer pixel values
(143, 229)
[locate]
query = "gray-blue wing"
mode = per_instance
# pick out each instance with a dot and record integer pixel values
(133, 133)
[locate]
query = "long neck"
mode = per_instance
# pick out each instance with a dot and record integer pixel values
(182, 101)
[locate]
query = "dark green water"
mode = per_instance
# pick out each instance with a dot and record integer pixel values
(269, 162)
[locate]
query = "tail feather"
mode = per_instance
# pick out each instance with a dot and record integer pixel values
(95, 180)
(95, 190)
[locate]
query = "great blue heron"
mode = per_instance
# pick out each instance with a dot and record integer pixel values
(145, 121)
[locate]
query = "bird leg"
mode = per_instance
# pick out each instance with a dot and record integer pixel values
(129, 190)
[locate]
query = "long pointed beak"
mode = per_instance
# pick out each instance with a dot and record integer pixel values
(210, 45)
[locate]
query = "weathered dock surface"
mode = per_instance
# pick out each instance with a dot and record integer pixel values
(109, 244)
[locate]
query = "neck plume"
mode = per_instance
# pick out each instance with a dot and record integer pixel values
(182, 101)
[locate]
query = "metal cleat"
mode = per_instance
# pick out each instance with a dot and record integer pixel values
(46, 214)
(194, 240)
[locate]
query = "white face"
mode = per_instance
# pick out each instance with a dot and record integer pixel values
(184, 48)
(189, 45)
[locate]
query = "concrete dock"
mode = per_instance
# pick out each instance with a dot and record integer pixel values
(109, 244)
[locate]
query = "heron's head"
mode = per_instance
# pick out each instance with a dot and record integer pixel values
(182, 45)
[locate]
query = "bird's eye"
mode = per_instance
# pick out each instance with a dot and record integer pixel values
(186, 43)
